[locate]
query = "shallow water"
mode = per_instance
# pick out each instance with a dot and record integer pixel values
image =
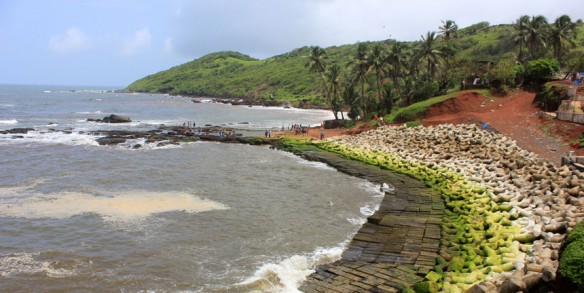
(195, 217)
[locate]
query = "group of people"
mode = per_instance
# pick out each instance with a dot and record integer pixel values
(188, 127)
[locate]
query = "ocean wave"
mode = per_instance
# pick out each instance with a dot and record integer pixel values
(26, 263)
(8, 122)
(288, 274)
(88, 112)
(119, 207)
(56, 137)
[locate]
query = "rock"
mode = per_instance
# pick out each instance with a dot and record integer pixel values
(17, 131)
(548, 274)
(110, 140)
(113, 118)
(513, 285)
(484, 287)
(531, 280)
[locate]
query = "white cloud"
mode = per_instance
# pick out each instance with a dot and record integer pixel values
(139, 41)
(73, 40)
(168, 49)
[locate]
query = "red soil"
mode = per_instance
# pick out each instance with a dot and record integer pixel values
(515, 116)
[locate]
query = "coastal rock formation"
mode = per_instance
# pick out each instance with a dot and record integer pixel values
(113, 118)
(507, 210)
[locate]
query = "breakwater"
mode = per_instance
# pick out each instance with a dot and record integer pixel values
(506, 210)
(398, 245)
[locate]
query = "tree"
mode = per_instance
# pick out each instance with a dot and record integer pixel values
(541, 71)
(428, 50)
(360, 71)
(386, 104)
(317, 64)
(397, 59)
(520, 36)
(562, 35)
(351, 99)
(534, 34)
(333, 77)
(378, 61)
(448, 29)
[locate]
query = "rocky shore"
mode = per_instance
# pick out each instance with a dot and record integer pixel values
(162, 136)
(506, 213)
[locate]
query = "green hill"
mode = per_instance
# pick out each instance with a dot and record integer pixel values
(286, 78)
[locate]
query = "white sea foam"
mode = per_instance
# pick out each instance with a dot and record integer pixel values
(8, 122)
(51, 138)
(288, 274)
(25, 263)
(123, 206)
(88, 112)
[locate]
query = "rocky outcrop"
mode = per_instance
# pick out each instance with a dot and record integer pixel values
(113, 118)
(16, 131)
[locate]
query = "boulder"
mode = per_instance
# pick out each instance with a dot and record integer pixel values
(113, 118)
(17, 131)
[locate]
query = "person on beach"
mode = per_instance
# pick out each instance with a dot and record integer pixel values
(266, 134)
(322, 134)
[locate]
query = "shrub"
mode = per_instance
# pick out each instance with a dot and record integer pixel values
(572, 258)
(551, 96)
(503, 75)
(540, 71)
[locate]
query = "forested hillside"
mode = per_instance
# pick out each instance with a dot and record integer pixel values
(372, 77)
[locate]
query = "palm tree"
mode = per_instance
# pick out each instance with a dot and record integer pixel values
(333, 76)
(378, 61)
(536, 36)
(351, 99)
(317, 63)
(428, 50)
(448, 29)
(562, 35)
(520, 36)
(397, 59)
(360, 71)
(388, 98)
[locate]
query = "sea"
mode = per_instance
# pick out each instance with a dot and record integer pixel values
(195, 217)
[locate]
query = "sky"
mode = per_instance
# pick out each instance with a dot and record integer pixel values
(115, 42)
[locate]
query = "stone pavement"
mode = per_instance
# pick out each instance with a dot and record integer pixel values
(397, 246)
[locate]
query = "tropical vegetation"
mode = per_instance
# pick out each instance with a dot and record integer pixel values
(378, 78)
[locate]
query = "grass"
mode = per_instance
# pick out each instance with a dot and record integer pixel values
(414, 111)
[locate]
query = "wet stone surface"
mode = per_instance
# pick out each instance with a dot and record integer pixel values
(397, 246)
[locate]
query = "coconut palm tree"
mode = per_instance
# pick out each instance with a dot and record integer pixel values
(334, 85)
(360, 71)
(429, 51)
(520, 36)
(351, 99)
(317, 64)
(448, 29)
(537, 32)
(562, 35)
(397, 58)
(378, 62)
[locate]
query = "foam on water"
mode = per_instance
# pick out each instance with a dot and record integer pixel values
(50, 138)
(8, 122)
(122, 206)
(288, 274)
(25, 263)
